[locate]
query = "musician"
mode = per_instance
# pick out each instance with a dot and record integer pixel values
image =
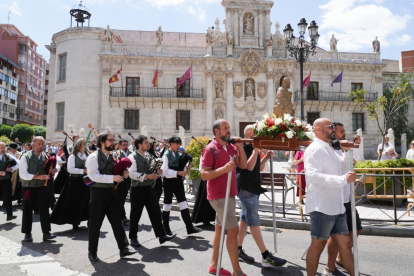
(123, 189)
(33, 174)
(6, 171)
(157, 154)
(173, 184)
(72, 206)
(16, 181)
(74, 139)
(143, 192)
(104, 200)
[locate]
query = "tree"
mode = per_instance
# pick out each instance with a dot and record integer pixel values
(385, 108)
(195, 149)
(39, 131)
(22, 131)
(5, 130)
(5, 140)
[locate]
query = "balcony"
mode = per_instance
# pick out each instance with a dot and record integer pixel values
(332, 96)
(151, 92)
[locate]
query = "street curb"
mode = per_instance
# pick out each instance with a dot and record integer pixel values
(305, 226)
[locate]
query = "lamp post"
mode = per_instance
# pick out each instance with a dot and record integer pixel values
(301, 50)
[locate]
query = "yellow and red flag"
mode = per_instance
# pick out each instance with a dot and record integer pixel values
(155, 79)
(115, 78)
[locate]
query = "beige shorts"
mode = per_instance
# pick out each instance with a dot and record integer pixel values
(218, 206)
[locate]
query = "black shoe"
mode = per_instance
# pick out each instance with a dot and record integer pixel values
(163, 239)
(126, 252)
(93, 257)
(135, 243)
(28, 237)
(207, 223)
(75, 227)
(10, 218)
(166, 223)
(19, 202)
(243, 257)
(48, 236)
(194, 230)
(125, 221)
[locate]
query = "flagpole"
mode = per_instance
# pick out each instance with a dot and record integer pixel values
(191, 76)
(122, 81)
(340, 86)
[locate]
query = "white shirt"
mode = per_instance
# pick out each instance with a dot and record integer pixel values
(410, 154)
(357, 154)
(166, 171)
(71, 164)
(93, 169)
(133, 173)
(15, 167)
(388, 156)
(346, 190)
(24, 174)
(324, 178)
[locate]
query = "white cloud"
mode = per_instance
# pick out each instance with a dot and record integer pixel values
(402, 40)
(13, 7)
(191, 10)
(165, 3)
(134, 6)
(356, 23)
(202, 16)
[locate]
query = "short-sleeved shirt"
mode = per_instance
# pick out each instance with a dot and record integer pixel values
(216, 156)
(249, 180)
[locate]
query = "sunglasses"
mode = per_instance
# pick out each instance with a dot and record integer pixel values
(411, 143)
(331, 127)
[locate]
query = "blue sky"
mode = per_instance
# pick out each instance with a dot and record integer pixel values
(354, 22)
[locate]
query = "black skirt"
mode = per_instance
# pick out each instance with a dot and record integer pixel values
(72, 206)
(202, 212)
(60, 180)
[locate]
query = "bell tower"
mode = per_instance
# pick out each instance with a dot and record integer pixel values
(249, 21)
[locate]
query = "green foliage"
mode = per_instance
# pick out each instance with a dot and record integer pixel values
(5, 139)
(195, 149)
(39, 131)
(399, 163)
(22, 131)
(5, 130)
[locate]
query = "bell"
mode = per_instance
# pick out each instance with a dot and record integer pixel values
(79, 18)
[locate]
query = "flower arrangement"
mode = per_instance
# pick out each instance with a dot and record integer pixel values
(287, 127)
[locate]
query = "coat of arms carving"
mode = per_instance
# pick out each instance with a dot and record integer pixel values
(250, 62)
(237, 89)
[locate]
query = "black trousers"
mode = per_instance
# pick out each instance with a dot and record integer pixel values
(105, 202)
(174, 186)
(39, 197)
(6, 192)
(158, 187)
(140, 197)
(51, 187)
(122, 192)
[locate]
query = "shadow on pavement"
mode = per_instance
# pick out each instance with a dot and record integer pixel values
(8, 226)
(78, 235)
(192, 242)
(127, 268)
(162, 254)
(43, 247)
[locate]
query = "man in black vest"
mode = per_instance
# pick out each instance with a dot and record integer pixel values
(173, 185)
(123, 189)
(33, 175)
(5, 179)
(104, 199)
(143, 192)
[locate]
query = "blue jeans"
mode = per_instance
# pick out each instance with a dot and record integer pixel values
(322, 226)
(250, 208)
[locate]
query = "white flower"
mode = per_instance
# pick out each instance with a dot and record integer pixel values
(289, 134)
(278, 121)
(266, 116)
(298, 122)
(260, 126)
(310, 134)
(309, 127)
(287, 117)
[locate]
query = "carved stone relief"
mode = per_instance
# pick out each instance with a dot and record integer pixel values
(219, 108)
(261, 91)
(237, 89)
(250, 87)
(250, 62)
(250, 108)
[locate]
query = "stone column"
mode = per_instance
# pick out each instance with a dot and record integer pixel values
(228, 20)
(209, 50)
(256, 25)
(361, 145)
(270, 92)
(267, 23)
(260, 29)
(229, 98)
(403, 145)
(209, 102)
(236, 28)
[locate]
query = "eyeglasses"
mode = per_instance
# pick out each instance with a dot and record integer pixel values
(331, 127)
(412, 144)
(111, 140)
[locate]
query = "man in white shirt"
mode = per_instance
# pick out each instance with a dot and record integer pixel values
(410, 152)
(123, 189)
(324, 199)
(6, 171)
(357, 152)
(386, 155)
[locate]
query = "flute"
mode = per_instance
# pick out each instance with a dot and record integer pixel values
(165, 144)
(67, 135)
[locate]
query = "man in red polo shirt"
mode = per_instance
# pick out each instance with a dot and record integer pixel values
(216, 165)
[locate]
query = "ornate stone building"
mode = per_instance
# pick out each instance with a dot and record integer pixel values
(235, 75)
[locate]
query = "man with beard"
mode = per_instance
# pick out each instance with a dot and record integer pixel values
(123, 189)
(333, 252)
(324, 199)
(5, 179)
(33, 174)
(216, 165)
(104, 199)
(174, 185)
(143, 192)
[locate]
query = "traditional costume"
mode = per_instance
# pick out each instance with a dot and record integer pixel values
(17, 193)
(7, 161)
(124, 188)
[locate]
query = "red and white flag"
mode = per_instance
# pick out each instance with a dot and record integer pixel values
(307, 80)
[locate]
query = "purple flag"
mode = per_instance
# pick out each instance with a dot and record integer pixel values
(185, 77)
(338, 79)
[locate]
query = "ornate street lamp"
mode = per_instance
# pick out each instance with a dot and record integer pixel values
(301, 49)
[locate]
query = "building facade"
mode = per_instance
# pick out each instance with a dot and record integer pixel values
(8, 91)
(235, 75)
(407, 61)
(22, 50)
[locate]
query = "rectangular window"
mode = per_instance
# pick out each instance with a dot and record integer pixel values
(313, 91)
(312, 116)
(356, 85)
(60, 108)
(182, 119)
(183, 90)
(62, 67)
(358, 121)
(131, 119)
(132, 86)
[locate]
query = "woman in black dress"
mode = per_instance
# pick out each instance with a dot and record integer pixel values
(63, 175)
(72, 206)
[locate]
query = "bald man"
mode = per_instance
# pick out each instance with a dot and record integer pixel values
(324, 198)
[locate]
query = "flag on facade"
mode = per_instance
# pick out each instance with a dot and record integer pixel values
(185, 77)
(338, 79)
(307, 80)
(155, 79)
(115, 78)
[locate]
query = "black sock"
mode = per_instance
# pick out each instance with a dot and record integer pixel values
(265, 254)
(240, 248)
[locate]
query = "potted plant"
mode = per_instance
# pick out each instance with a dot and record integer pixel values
(196, 149)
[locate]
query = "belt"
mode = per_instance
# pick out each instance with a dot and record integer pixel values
(76, 175)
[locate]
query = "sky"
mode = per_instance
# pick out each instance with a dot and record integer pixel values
(355, 23)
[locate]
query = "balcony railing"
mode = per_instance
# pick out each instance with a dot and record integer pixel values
(332, 96)
(153, 92)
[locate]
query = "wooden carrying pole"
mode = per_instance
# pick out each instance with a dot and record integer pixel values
(353, 212)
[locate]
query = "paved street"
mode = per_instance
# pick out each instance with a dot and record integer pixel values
(185, 256)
